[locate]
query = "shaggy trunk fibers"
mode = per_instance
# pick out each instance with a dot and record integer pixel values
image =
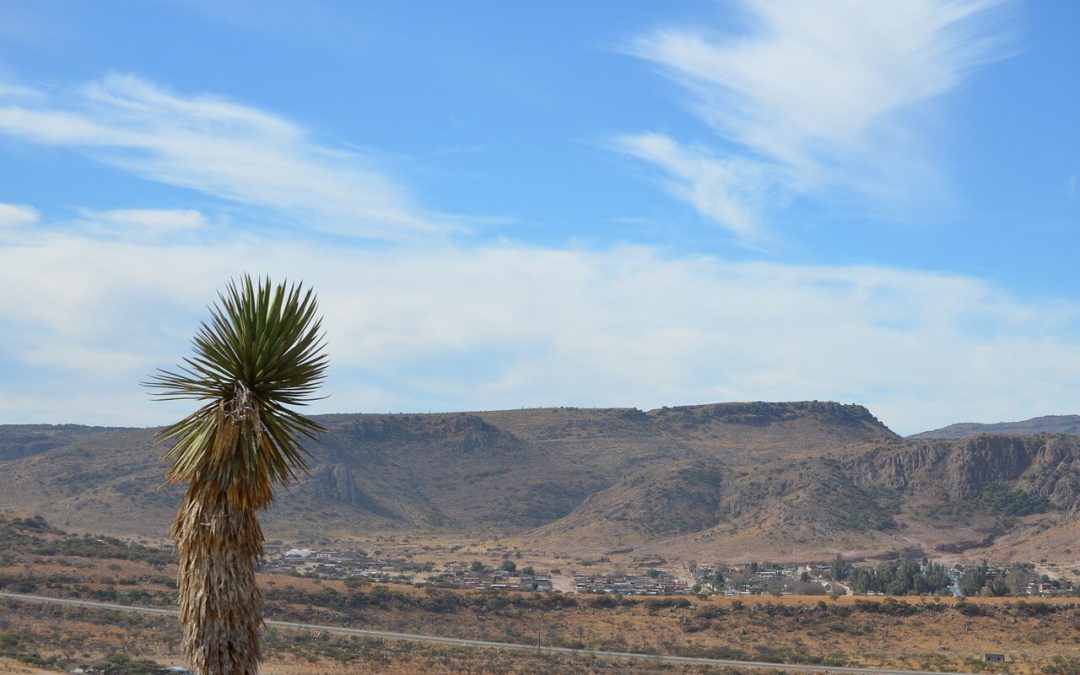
(219, 543)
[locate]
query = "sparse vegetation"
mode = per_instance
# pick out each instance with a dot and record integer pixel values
(999, 498)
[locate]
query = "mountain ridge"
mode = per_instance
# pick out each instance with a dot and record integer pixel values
(726, 480)
(1049, 424)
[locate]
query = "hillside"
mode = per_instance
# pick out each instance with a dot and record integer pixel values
(723, 481)
(23, 440)
(943, 497)
(1048, 424)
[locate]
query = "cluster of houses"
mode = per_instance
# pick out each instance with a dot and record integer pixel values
(1036, 584)
(353, 564)
(655, 582)
(749, 579)
(356, 564)
(756, 579)
(458, 575)
(90, 670)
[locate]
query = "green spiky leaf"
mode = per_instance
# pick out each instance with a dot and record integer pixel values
(261, 353)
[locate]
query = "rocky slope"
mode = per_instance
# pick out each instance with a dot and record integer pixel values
(778, 480)
(937, 496)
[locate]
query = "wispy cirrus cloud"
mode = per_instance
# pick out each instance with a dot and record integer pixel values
(17, 91)
(809, 98)
(141, 223)
(728, 190)
(224, 149)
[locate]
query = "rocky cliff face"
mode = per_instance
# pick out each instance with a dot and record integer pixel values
(854, 422)
(1041, 465)
(934, 492)
(981, 460)
(338, 482)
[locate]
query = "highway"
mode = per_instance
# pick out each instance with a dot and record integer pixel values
(484, 644)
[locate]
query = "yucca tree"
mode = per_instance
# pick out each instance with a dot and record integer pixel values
(261, 353)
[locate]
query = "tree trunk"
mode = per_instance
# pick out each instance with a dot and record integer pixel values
(220, 606)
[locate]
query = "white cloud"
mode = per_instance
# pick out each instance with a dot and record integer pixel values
(227, 150)
(498, 326)
(729, 190)
(14, 216)
(9, 90)
(143, 223)
(809, 99)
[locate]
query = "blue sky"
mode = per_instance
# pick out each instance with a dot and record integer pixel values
(525, 204)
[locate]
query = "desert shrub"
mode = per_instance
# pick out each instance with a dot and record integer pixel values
(889, 607)
(1062, 665)
(999, 498)
(122, 663)
(773, 609)
(972, 609)
(604, 601)
(1032, 609)
(441, 602)
(557, 600)
(655, 604)
(710, 611)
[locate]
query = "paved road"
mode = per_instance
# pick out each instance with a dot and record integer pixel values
(509, 646)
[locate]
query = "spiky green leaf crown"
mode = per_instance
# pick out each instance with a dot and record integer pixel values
(261, 352)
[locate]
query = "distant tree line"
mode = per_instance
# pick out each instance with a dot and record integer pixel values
(906, 577)
(909, 577)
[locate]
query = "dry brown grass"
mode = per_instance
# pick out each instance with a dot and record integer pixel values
(943, 638)
(13, 667)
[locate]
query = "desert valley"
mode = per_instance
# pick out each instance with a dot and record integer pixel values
(711, 530)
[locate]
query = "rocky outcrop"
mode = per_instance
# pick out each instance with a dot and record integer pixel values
(339, 483)
(1039, 465)
(897, 466)
(980, 460)
(761, 414)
